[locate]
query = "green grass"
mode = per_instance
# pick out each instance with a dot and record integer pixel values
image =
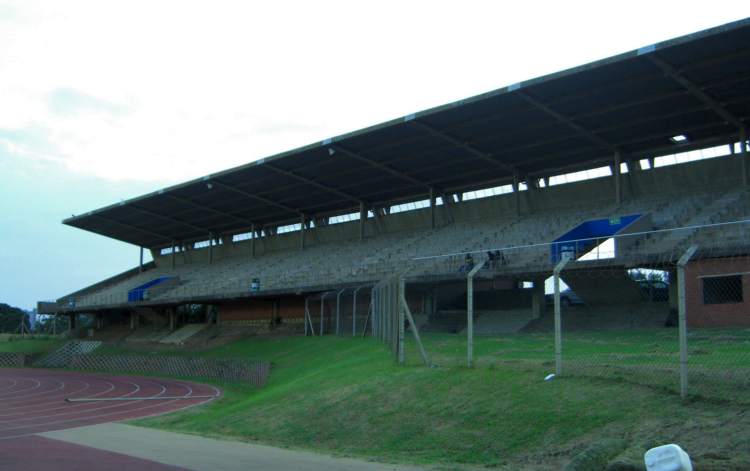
(719, 359)
(30, 346)
(347, 396)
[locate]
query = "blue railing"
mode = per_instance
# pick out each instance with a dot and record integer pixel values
(138, 293)
(587, 235)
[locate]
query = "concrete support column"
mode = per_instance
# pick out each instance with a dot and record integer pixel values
(558, 315)
(682, 318)
(516, 192)
(140, 263)
(362, 220)
(210, 248)
(322, 307)
(537, 298)
(744, 155)
(174, 249)
(172, 323)
(470, 314)
(432, 208)
(73, 321)
(133, 320)
(618, 181)
(302, 221)
(252, 240)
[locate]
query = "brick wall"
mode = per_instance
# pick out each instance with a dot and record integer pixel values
(716, 315)
(288, 307)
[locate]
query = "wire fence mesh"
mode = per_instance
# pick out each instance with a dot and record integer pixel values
(344, 312)
(623, 301)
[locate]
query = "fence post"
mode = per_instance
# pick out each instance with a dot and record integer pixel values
(470, 314)
(375, 293)
(415, 331)
(354, 312)
(307, 314)
(558, 322)
(322, 305)
(743, 155)
(682, 319)
(400, 310)
(370, 314)
(338, 311)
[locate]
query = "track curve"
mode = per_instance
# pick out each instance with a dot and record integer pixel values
(34, 400)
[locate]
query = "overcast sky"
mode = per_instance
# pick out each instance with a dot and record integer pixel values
(103, 100)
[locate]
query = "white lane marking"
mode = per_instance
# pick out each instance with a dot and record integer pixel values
(38, 393)
(68, 408)
(120, 412)
(44, 401)
(12, 385)
(38, 385)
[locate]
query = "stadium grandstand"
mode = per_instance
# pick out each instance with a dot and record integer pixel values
(637, 144)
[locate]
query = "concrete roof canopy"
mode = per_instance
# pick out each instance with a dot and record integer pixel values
(632, 104)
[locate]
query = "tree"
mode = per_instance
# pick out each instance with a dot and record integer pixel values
(10, 319)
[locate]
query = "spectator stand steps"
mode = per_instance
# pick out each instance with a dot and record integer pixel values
(179, 336)
(61, 357)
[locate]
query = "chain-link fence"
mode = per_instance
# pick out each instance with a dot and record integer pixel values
(665, 309)
(344, 312)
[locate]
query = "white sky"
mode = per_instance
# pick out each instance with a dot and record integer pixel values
(104, 100)
(174, 90)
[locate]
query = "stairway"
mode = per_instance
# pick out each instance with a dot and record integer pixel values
(180, 335)
(447, 321)
(61, 357)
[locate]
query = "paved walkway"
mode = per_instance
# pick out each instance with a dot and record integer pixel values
(205, 454)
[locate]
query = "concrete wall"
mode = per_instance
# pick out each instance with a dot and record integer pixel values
(716, 315)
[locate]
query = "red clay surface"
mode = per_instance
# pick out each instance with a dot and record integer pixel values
(43, 454)
(33, 401)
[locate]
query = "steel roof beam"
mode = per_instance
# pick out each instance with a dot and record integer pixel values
(567, 121)
(695, 90)
(316, 184)
(262, 199)
(622, 125)
(588, 93)
(464, 145)
(158, 235)
(168, 218)
(539, 128)
(207, 208)
(387, 168)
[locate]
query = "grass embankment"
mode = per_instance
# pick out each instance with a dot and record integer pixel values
(347, 396)
(29, 345)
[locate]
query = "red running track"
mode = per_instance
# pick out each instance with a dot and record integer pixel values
(34, 401)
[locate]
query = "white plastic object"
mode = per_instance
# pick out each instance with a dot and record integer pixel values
(549, 377)
(667, 458)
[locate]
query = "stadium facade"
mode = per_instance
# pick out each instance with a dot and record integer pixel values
(485, 175)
